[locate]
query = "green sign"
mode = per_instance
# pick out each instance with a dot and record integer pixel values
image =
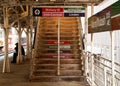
(115, 19)
(74, 10)
(115, 8)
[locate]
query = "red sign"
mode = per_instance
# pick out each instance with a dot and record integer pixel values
(52, 12)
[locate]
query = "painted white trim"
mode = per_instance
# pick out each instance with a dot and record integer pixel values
(115, 16)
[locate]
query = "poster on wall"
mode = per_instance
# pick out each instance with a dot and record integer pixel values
(115, 16)
(100, 22)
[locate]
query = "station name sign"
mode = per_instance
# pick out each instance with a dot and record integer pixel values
(58, 12)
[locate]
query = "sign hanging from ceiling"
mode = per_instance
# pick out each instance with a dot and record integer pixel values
(59, 12)
(52, 12)
(74, 12)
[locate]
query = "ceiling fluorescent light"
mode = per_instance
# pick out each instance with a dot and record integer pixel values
(52, 0)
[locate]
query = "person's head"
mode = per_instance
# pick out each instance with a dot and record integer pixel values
(16, 44)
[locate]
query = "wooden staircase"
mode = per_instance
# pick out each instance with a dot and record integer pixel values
(57, 53)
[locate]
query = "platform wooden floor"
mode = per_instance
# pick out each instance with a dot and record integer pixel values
(19, 76)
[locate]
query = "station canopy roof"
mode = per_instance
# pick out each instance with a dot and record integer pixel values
(20, 9)
(49, 2)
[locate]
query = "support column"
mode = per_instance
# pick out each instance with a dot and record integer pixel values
(27, 35)
(30, 42)
(58, 72)
(92, 11)
(112, 58)
(19, 57)
(30, 33)
(85, 40)
(6, 64)
(86, 27)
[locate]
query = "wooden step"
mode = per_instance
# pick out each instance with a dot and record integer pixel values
(65, 30)
(48, 22)
(72, 78)
(71, 72)
(44, 78)
(55, 33)
(55, 57)
(71, 41)
(74, 27)
(65, 36)
(45, 66)
(45, 73)
(62, 38)
(55, 61)
(69, 22)
(57, 78)
(45, 49)
(70, 67)
(68, 18)
(61, 34)
(70, 61)
(50, 54)
(46, 61)
(54, 73)
(49, 18)
(54, 67)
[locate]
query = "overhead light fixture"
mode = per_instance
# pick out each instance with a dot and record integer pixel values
(52, 0)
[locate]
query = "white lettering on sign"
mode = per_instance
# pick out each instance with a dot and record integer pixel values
(101, 21)
(52, 14)
(73, 14)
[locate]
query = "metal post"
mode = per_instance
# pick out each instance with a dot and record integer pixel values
(58, 46)
(92, 11)
(112, 57)
(105, 79)
(92, 60)
(6, 64)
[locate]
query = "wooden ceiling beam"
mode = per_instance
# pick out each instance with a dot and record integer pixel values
(36, 3)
